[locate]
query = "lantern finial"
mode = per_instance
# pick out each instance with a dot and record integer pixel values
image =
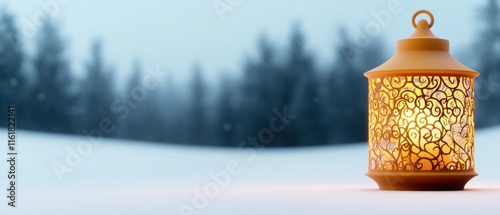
(421, 12)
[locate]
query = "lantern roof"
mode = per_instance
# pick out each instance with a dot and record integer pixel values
(422, 54)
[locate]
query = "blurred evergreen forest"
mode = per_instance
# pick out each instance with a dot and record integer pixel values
(329, 104)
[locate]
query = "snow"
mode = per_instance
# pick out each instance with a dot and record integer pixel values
(127, 177)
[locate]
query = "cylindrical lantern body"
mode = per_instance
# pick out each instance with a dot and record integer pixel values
(421, 117)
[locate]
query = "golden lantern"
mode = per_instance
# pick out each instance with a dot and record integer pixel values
(421, 116)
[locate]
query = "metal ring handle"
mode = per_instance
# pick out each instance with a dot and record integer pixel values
(421, 12)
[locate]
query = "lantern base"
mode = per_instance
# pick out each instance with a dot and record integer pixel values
(421, 180)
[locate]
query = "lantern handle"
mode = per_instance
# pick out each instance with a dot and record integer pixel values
(421, 12)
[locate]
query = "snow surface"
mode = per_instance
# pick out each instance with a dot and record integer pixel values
(127, 177)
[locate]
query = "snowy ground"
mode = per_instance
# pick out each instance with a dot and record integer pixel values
(125, 177)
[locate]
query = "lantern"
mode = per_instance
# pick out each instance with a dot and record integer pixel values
(421, 116)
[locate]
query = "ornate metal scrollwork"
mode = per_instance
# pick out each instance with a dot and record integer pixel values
(421, 123)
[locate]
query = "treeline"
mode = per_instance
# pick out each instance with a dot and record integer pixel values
(329, 103)
(486, 55)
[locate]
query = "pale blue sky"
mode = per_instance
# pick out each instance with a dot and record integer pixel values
(177, 33)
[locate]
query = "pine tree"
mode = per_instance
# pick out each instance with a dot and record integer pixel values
(133, 123)
(261, 91)
(145, 121)
(174, 116)
(488, 52)
(52, 93)
(197, 111)
(13, 83)
(297, 62)
(346, 115)
(303, 94)
(225, 115)
(97, 90)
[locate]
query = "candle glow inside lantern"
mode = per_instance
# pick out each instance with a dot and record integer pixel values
(421, 116)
